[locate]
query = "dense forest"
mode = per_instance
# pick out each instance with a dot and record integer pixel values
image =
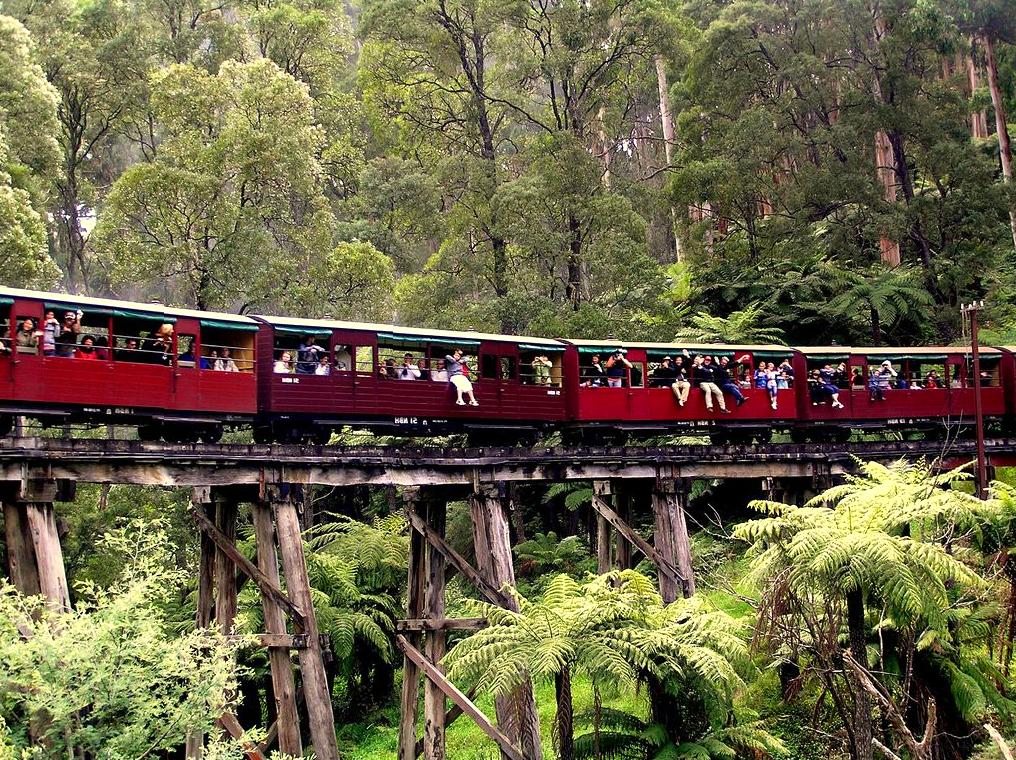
(816, 170)
(800, 171)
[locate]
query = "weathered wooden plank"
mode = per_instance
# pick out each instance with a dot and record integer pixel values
(623, 548)
(229, 722)
(453, 714)
(601, 493)
(270, 640)
(435, 642)
(312, 668)
(503, 742)
(419, 625)
(21, 567)
(415, 586)
(293, 610)
(41, 520)
(283, 686)
(664, 565)
(516, 713)
(225, 568)
(486, 589)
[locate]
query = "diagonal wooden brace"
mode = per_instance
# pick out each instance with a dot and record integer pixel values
(460, 699)
(249, 568)
(643, 546)
(491, 594)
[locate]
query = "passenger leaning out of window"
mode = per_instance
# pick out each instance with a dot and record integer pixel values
(67, 341)
(617, 368)
(27, 337)
(86, 350)
(456, 367)
(881, 380)
(308, 356)
(159, 348)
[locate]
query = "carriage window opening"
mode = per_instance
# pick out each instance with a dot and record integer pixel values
(365, 359)
(539, 367)
(225, 349)
(405, 360)
(990, 376)
(509, 368)
(27, 335)
(142, 341)
(185, 345)
(489, 366)
(637, 374)
(342, 357)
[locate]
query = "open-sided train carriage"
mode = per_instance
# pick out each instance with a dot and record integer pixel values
(177, 394)
(637, 407)
(516, 399)
(942, 410)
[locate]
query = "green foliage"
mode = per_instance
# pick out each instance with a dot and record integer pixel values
(111, 679)
(546, 553)
(753, 324)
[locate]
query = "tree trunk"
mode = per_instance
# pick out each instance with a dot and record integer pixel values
(890, 249)
(667, 122)
(564, 730)
(862, 749)
(1004, 146)
(573, 289)
(978, 119)
(876, 327)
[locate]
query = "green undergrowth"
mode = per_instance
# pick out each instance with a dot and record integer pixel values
(377, 737)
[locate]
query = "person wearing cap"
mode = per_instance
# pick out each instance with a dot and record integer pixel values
(881, 381)
(681, 386)
(67, 340)
(617, 368)
(664, 375)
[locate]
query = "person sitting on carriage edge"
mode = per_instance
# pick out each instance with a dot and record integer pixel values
(455, 366)
(705, 376)
(726, 381)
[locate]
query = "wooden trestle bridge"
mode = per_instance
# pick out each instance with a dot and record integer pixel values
(36, 472)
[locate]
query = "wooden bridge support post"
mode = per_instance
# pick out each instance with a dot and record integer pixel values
(416, 584)
(436, 641)
(602, 495)
(516, 713)
(317, 694)
(671, 537)
(283, 687)
(623, 548)
(225, 569)
(34, 557)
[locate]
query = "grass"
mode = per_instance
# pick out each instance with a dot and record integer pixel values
(378, 738)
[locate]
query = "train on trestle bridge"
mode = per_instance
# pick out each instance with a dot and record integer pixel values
(184, 376)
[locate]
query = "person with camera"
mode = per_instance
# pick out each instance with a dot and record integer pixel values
(67, 341)
(617, 368)
(409, 370)
(594, 376)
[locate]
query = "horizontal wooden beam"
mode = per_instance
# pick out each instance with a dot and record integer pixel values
(455, 695)
(263, 583)
(491, 594)
(281, 640)
(422, 625)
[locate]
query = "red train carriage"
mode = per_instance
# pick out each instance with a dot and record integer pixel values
(517, 395)
(637, 406)
(109, 365)
(939, 392)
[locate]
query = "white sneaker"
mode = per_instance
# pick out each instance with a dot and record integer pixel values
(460, 402)
(473, 403)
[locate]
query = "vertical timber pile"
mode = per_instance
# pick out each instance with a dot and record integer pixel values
(516, 714)
(670, 497)
(312, 667)
(34, 557)
(410, 670)
(283, 687)
(601, 495)
(277, 531)
(436, 643)
(623, 548)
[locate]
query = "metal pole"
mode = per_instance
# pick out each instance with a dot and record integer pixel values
(982, 465)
